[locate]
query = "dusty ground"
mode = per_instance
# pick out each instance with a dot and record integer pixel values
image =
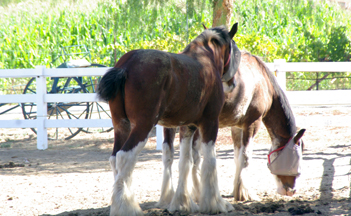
(74, 178)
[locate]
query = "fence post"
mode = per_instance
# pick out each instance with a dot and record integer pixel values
(281, 75)
(42, 135)
(159, 137)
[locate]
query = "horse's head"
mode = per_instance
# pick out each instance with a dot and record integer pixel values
(286, 166)
(231, 59)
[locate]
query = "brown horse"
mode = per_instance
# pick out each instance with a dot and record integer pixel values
(256, 98)
(149, 87)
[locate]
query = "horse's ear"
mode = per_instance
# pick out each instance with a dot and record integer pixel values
(302, 145)
(299, 135)
(204, 26)
(233, 30)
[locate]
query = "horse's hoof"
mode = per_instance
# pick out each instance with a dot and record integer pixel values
(216, 206)
(162, 205)
(126, 210)
(185, 206)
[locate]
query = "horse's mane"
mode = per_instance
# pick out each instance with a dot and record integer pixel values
(220, 34)
(278, 91)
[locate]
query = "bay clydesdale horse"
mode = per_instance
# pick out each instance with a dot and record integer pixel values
(149, 87)
(256, 98)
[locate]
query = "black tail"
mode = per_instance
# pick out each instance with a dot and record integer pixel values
(111, 83)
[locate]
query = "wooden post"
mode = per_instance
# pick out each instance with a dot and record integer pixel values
(281, 75)
(159, 137)
(42, 135)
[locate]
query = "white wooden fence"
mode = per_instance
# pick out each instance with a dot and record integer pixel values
(296, 98)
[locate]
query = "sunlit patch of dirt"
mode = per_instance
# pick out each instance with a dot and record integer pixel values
(73, 177)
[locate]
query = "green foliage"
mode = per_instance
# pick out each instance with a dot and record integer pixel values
(258, 45)
(298, 31)
(302, 30)
(32, 31)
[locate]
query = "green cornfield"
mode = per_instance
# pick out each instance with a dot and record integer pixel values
(32, 32)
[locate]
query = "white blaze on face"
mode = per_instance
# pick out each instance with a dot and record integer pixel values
(287, 164)
(280, 187)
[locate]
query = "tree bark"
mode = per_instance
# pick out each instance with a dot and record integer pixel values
(222, 12)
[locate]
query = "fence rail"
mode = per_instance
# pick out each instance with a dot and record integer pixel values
(296, 98)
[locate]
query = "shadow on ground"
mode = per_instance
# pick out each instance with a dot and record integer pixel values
(281, 207)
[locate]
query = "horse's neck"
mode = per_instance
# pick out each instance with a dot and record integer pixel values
(279, 119)
(277, 140)
(280, 123)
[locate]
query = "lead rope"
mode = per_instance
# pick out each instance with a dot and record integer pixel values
(227, 61)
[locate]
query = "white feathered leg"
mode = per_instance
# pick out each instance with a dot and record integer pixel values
(123, 201)
(240, 192)
(211, 201)
(196, 170)
(182, 200)
(113, 166)
(167, 190)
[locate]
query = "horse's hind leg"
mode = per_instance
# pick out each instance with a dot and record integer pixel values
(167, 191)
(121, 131)
(123, 202)
(210, 200)
(121, 127)
(182, 200)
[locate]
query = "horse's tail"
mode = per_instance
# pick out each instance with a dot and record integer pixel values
(112, 82)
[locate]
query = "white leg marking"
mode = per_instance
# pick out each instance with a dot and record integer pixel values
(211, 201)
(181, 200)
(167, 190)
(238, 168)
(113, 166)
(196, 170)
(241, 158)
(123, 202)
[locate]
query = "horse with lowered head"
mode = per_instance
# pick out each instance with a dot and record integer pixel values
(149, 87)
(256, 98)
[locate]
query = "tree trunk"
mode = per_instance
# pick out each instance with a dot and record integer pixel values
(222, 12)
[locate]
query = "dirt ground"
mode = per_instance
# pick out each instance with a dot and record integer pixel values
(73, 177)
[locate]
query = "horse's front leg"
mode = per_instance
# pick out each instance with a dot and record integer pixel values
(182, 200)
(196, 166)
(242, 139)
(167, 190)
(241, 160)
(211, 201)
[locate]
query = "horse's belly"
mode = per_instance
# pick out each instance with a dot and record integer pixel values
(230, 120)
(171, 124)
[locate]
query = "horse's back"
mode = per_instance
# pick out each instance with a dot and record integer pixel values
(175, 84)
